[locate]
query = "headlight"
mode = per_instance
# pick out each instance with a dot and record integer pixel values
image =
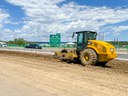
(112, 50)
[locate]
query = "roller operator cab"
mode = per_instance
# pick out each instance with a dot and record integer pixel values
(89, 50)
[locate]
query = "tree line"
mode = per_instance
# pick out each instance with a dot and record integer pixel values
(23, 42)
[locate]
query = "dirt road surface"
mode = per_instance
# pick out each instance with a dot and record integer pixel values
(31, 75)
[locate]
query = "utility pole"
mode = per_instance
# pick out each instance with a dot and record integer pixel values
(103, 36)
(67, 39)
(14, 37)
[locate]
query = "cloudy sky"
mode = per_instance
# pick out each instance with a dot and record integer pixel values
(34, 20)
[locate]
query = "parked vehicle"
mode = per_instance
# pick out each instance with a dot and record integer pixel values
(3, 44)
(34, 46)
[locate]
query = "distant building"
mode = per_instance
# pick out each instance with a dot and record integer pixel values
(55, 40)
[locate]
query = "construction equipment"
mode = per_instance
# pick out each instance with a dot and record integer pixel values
(89, 50)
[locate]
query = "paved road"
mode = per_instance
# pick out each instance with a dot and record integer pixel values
(122, 54)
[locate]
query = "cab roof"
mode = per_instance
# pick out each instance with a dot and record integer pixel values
(85, 32)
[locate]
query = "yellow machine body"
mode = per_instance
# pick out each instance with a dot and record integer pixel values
(89, 50)
(105, 51)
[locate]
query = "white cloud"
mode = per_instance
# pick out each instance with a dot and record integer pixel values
(46, 16)
(115, 30)
(3, 17)
(6, 34)
(120, 28)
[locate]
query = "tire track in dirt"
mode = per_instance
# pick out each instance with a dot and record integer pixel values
(64, 80)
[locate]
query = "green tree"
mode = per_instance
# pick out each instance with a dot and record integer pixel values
(20, 41)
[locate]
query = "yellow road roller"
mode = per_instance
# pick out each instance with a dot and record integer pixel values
(88, 50)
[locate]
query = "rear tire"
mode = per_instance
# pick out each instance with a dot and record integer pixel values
(88, 57)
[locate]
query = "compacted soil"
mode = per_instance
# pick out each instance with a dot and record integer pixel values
(26, 74)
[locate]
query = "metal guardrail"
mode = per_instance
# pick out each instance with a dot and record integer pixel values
(122, 56)
(21, 49)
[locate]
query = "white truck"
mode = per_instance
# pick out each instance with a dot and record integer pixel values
(3, 44)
